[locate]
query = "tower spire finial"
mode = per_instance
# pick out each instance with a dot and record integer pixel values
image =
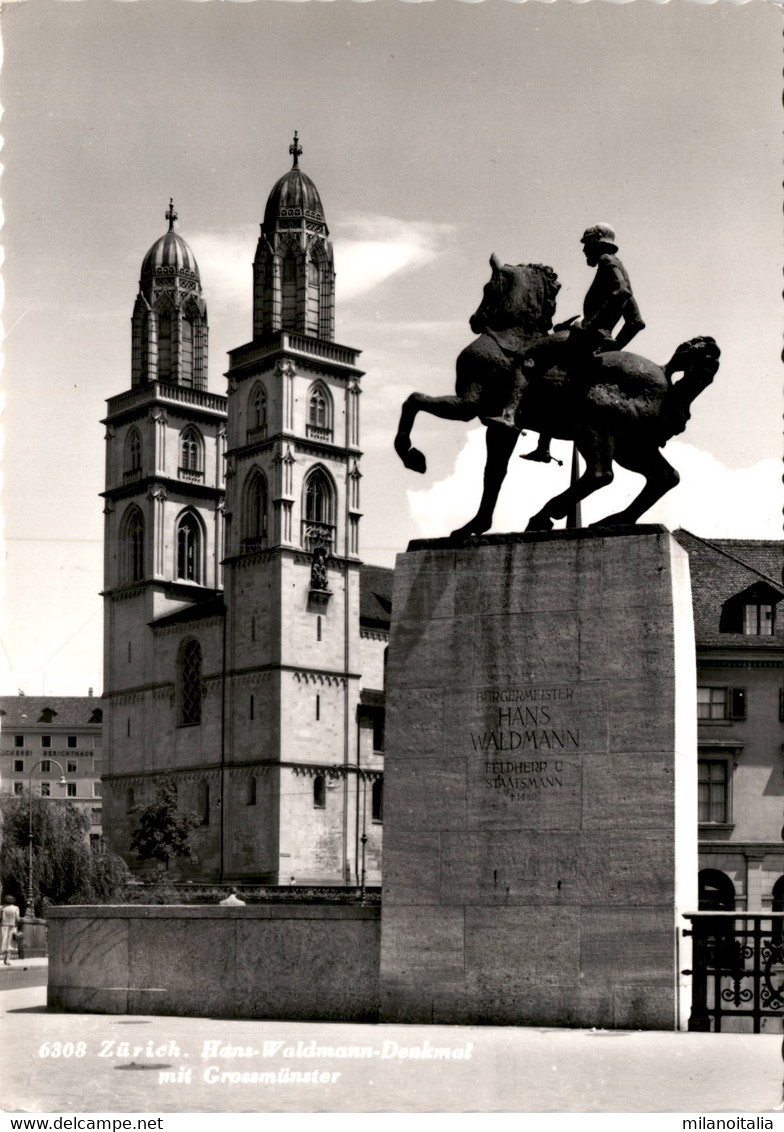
(171, 215)
(295, 150)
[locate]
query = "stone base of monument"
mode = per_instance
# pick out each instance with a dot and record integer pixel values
(540, 786)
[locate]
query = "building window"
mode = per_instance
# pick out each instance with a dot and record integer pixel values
(133, 455)
(130, 801)
(721, 703)
(319, 412)
(46, 789)
(18, 788)
(71, 742)
(190, 683)
(257, 412)
(46, 767)
(378, 729)
(46, 741)
(377, 800)
(97, 787)
(318, 707)
(713, 792)
(19, 740)
(189, 548)
(70, 789)
(191, 448)
(132, 546)
(758, 620)
(204, 802)
(71, 768)
(255, 512)
(18, 766)
(319, 511)
(320, 792)
(252, 708)
(250, 798)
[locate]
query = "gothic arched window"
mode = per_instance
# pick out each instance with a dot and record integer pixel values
(257, 410)
(190, 683)
(132, 545)
(319, 792)
(319, 510)
(133, 454)
(254, 532)
(191, 451)
(319, 411)
(189, 548)
(165, 351)
(289, 293)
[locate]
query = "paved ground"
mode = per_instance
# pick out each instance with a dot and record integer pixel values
(156, 1065)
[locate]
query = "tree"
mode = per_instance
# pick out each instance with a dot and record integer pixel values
(164, 829)
(65, 868)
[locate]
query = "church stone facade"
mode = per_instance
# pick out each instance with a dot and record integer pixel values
(244, 638)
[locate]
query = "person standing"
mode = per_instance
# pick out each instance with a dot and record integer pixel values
(10, 919)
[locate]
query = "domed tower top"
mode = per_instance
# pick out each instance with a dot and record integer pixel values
(293, 273)
(169, 259)
(170, 316)
(294, 201)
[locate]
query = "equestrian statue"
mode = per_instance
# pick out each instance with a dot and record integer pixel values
(574, 382)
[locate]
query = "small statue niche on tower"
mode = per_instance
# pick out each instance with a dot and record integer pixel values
(319, 580)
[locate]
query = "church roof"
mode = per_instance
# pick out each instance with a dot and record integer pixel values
(294, 196)
(170, 255)
(375, 596)
(56, 711)
(725, 569)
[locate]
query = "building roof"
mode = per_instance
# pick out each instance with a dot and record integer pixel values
(168, 257)
(20, 712)
(375, 596)
(293, 197)
(723, 569)
(212, 606)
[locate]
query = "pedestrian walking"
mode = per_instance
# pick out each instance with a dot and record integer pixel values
(10, 919)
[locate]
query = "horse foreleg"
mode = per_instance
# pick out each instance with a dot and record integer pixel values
(450, 408)
(500, 442)
(660, 477)
(597, 451)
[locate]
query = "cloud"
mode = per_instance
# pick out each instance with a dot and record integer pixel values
(370, 248)
(712, 500)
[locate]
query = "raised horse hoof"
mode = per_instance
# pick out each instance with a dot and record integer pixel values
(412, 458)
(540, 523)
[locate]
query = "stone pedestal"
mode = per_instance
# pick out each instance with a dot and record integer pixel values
(540, 815)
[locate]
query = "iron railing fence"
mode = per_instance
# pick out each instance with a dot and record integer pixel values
(737, 970)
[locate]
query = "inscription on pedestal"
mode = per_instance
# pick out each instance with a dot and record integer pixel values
(525, 748)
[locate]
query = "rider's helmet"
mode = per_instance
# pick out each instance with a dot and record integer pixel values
(600, 234)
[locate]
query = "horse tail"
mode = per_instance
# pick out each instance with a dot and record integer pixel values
(698, 361)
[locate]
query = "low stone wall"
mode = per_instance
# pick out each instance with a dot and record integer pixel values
(298, 962)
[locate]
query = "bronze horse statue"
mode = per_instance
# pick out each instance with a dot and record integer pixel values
(614, 406)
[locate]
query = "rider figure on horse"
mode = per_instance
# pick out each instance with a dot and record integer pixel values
(609, 300)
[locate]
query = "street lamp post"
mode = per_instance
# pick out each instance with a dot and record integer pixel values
(29, 909)
(363, 838)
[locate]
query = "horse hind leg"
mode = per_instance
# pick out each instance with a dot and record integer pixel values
(660, 477)
(598, 455)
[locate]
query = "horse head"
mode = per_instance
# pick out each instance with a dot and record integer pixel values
(522, 296)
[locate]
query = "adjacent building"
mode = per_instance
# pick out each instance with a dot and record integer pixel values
(244, 639)
(46, 738)
(736, 591)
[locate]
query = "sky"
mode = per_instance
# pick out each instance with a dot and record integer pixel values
(436, 133)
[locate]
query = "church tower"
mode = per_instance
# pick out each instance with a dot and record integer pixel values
(165, 451)
(292, 564)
